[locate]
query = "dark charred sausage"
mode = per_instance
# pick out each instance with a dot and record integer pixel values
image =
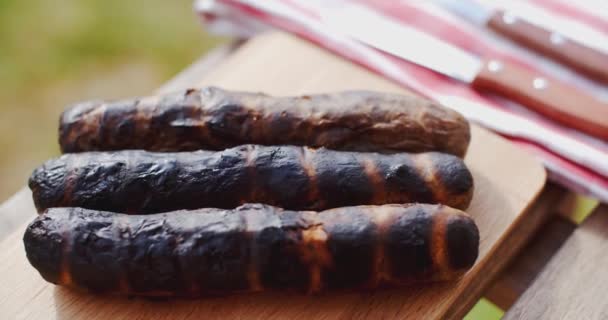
(296, 178)
(215, 119)
(251, 248)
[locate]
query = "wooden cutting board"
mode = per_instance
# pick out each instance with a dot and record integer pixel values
(507, 180)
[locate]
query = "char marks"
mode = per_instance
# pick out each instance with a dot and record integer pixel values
(376, 180)
(48, 183)
(462, 238)
(135, 181)
(212, 118)
(91, 251)
(117, 122)
(453, 178)
(80, 126)
(253, 247)
(124, 236)
(307, 162)
(425, 167)
(255, 222)
(281, 265)
(407, 248)
(281, 178)
(382, 217)
(351, 241)
(367, 240)
(314, 253)
(439, 250)
(404, 182)
(342, 179)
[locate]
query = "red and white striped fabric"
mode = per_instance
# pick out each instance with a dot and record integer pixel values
(573, 159)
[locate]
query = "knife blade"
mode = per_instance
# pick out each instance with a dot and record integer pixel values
(559, 101)
(551, 43)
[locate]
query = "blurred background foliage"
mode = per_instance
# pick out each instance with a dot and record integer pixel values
(54, 53)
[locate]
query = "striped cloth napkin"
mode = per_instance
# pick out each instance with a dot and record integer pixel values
(573, 159)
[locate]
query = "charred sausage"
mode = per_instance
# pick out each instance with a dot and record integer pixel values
(291, 177)
(215, 119)
(251, 248)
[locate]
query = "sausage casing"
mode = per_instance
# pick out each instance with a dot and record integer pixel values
(251, 248)
(215, 119)
(296, 178)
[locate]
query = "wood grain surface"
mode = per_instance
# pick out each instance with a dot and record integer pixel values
(507, 181)
(575, 282)
(513, 281)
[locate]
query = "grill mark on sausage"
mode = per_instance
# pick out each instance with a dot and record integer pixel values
(451, 181)
(292, 177)
(438, 247)
(314, 252)
(212, 118)
(382, 217)
(414, 230)
(94, 124)
(307, 162)
(65, 276)
(123, 229)
(251, 155)
(461, 242)
(425, 167)
(405, 175)
(342, 179)
(141, 118)
(376, 180)
(214, 251)
(252, 225)
(70, 181)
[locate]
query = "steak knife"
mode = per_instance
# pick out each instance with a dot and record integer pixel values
(559, 47)
(557, 100)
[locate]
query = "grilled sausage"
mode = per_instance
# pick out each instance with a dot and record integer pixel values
(215, 119)
(251, 248)
(291, 177)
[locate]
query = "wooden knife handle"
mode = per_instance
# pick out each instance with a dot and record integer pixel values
(579, 57)
(556, 100)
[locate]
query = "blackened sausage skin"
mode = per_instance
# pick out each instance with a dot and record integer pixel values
(251, 248)
(291, 177)
(216, 119)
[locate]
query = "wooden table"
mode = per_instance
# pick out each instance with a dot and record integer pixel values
(503, 207)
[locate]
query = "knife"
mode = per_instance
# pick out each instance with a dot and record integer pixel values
(557, 100)
(555, 45)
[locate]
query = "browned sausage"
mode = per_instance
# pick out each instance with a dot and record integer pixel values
(291, 177)
(216, 119)
(252, 248)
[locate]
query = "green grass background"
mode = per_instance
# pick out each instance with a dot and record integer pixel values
(57, 52)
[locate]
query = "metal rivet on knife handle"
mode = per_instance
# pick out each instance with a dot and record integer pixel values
(557, 39)
(540, 83)
(509, 18)
(494, 66)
